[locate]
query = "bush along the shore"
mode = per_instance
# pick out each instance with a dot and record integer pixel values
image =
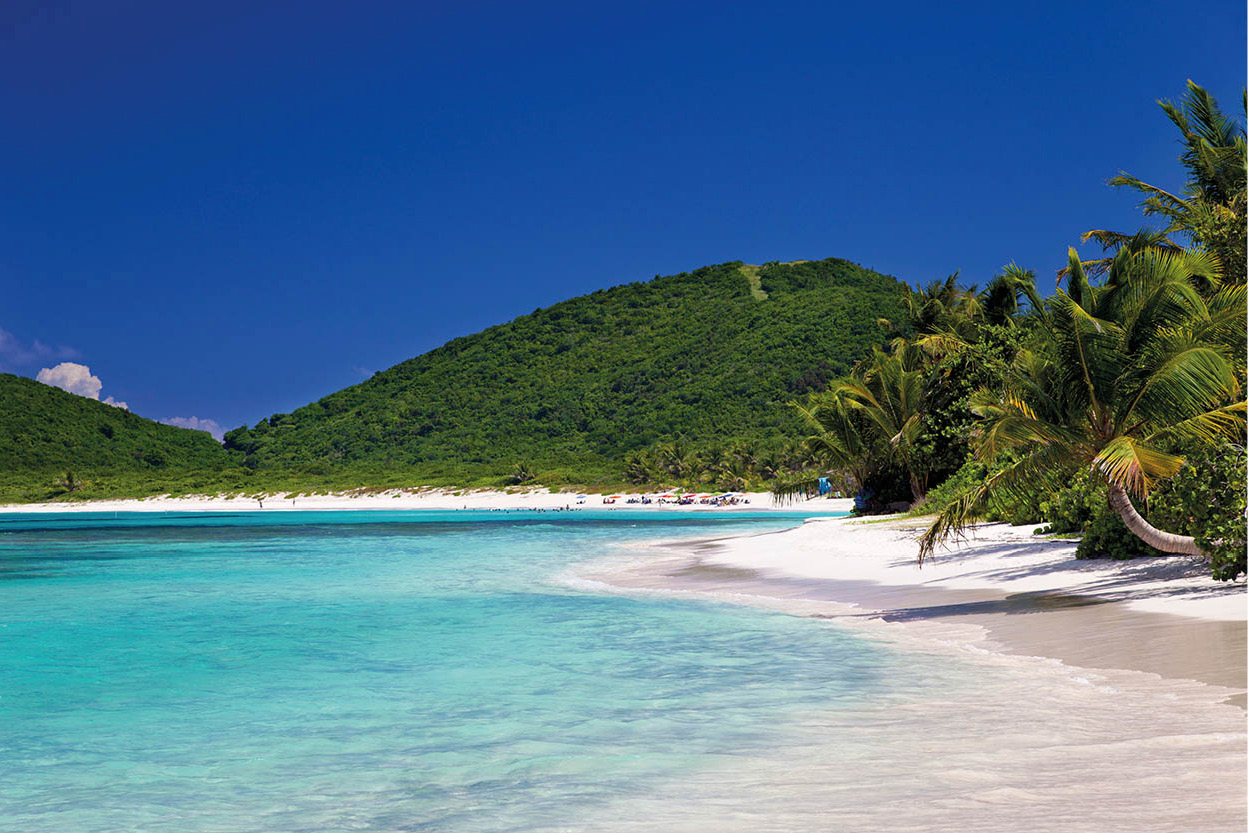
(1206, 500)
(1082, 507)
(1107, 537)
(1016, 509)
(1072, 508)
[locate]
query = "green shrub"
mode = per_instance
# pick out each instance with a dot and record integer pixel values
(1016, 510)
(1071, 509)
(1108, 538)
(1206, 500)
(968, 476)
(1083, 507)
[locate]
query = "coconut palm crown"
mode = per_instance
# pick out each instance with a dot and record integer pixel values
(1211, 209)
(1120, 376)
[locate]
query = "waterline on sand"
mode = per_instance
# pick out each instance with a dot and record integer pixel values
(998, 736)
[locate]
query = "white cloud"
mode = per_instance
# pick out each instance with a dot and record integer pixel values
(197, 423)
(72, 377)
(14, 354)
(77, 379)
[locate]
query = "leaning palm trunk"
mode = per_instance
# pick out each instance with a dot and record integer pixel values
(1117, 376)
(1150, 535)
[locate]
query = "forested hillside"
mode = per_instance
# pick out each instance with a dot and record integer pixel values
(711, 354)
(46, 432)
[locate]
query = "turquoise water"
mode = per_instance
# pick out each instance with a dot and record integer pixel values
(377, 670)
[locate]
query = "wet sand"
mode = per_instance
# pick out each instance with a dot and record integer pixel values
(1086, 631)
(1108, 696)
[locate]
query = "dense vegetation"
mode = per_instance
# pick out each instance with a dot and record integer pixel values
(55, 443)
(1113, 405)
(706, 357)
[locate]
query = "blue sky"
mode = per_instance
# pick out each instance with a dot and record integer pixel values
(227, 209)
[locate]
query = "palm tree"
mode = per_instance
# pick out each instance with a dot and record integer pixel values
(1121, 374)
(710, 459)
(864, 420)
(770, 464)
(521, 472)
(888, 392)
(837, 442)
(637, 468)
(733, 476)
(937, 308)
(68, 482)
(1113, 242)
(944, 318)
(1001, 301)
(742, 456)
(673, 458)
(1211, 209)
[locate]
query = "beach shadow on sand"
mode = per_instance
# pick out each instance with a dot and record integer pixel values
(1090, 629)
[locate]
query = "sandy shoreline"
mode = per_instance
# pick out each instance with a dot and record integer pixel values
(420, 499)
(867, 569)
(1103, 696)
(1023, 594)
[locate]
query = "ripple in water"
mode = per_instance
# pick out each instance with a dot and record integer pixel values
(424, 671)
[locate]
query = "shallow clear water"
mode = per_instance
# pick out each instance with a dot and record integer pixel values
(376, 670)
(447, 671)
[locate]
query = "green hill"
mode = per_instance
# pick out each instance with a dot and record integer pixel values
(710, 354)
(45, 432)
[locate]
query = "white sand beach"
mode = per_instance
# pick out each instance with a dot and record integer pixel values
(418, 499)
(997, 557)
(1163, 615)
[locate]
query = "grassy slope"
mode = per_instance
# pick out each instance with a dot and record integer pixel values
(571, 388)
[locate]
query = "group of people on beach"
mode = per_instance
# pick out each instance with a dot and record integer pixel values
(564, 509)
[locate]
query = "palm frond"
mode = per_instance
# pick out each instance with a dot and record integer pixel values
(1134, 465)
(952, 521)
(1226, 422)
(1086, 347)
(1044, 467)
(1185, 382)
(1077, 286)
(1159, 201)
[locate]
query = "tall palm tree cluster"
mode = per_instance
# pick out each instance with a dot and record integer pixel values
(901, 421)
(1133, 365)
